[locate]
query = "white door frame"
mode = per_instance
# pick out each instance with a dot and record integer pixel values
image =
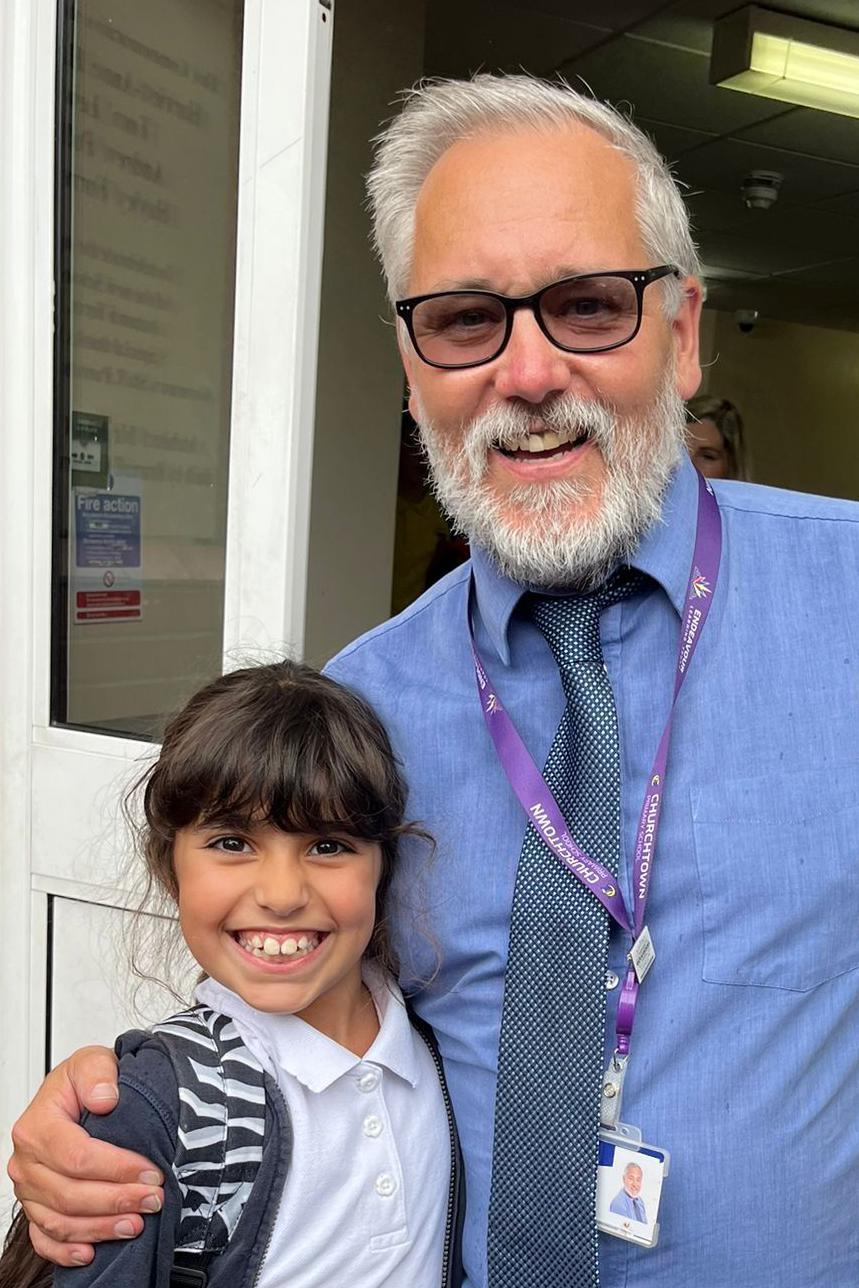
(53, 780)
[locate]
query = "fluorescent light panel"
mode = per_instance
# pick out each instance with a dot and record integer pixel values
(777, 56)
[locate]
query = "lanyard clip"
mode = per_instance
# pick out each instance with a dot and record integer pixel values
(612, 1090)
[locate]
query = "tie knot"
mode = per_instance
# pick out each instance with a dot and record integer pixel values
(571, 623)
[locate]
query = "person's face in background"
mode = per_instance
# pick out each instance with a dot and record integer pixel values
(708, 451)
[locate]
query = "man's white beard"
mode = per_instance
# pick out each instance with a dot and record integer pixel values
(536, 532)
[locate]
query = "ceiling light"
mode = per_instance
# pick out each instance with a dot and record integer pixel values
(778, 56)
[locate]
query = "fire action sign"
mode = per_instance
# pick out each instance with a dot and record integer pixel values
(107, 580)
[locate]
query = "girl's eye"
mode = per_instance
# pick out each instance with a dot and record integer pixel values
(229, 845)
(329, 846)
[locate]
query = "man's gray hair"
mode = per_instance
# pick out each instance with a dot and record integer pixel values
(438, 113)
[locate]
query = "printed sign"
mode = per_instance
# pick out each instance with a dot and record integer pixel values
(107, 574)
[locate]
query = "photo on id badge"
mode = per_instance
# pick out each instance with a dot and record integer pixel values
(629, 1187)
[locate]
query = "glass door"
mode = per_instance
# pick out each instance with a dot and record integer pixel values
(161, 263)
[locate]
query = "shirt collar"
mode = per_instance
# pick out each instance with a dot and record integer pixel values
(308, 1055)
(664, 553)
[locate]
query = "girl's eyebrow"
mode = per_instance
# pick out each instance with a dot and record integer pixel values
(222, 822)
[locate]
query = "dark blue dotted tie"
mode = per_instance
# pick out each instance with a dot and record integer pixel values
(542, 1199)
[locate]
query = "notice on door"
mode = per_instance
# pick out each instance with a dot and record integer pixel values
(107, 583)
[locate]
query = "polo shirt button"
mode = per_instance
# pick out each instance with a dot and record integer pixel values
(385, 1185)
(372, 1125)
(369, 1080)
(611, 980)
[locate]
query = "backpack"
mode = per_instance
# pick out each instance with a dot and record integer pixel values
(222, 1103)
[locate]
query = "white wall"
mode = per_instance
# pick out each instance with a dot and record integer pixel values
(378, 49)
(797, 388)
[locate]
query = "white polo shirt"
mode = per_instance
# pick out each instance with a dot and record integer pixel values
(365, 1200)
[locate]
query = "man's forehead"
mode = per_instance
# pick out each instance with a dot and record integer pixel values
(517, 210)
(500, 159)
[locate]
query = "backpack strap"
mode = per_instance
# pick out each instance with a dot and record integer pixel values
(221, 1130)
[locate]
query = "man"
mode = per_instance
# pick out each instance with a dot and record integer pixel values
(628, 1202)
(552, 415)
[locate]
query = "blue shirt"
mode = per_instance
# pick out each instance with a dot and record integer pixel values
(624, 1204)
(745, 1059)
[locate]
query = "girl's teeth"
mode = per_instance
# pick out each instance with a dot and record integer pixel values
(268, 946)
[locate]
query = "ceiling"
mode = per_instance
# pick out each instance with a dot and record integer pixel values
(798, 261)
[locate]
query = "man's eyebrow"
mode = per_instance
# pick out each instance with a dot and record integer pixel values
(469, 284)
(557, 274)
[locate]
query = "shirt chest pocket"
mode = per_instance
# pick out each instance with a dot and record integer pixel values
(778, 866)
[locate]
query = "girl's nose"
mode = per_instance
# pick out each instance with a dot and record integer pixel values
(281, 887)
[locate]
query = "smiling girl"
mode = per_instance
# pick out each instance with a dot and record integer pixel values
(272, 818)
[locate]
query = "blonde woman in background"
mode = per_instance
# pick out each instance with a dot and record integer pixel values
(714, 438)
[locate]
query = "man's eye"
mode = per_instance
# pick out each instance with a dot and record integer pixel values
(473, 319)
(458, 317)
(585, 308)
(470, 318)
(590, 306)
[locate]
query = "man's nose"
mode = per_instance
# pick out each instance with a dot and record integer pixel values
(531, 367)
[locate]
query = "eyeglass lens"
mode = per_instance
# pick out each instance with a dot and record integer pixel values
(463, 328)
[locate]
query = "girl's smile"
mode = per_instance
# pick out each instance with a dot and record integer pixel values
(282, 918)
(279, 951)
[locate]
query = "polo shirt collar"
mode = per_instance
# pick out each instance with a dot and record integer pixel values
(664, 554)
(318, 1061)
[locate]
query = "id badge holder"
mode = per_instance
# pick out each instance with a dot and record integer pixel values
(629, 1185)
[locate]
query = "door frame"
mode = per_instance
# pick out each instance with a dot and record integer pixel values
(286, 65)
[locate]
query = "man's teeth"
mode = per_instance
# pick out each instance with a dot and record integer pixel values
(288, 946)
(548, 441)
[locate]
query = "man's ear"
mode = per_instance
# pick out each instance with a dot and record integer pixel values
(408, 359)
(685, 334)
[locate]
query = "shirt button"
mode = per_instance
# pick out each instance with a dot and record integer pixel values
(611, 980)
(385, 1185)
(369, 1080)
(372, 1125)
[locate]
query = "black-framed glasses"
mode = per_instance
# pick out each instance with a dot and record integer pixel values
(588, 313)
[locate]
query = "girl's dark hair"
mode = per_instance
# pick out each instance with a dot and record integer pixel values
(280, 744)
(20, 1265)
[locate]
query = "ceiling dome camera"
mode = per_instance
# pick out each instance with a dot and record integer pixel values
(746, 320)
(760, 189)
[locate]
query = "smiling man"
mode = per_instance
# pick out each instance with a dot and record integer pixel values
(628, 1201)
(539, 259)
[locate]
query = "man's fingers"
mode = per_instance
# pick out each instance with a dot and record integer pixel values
(84, 1199)
(78, 1157)
(68, 1231)
(92, 1074)
(61, 1254)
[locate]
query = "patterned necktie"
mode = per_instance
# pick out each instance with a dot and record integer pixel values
(542, 1199)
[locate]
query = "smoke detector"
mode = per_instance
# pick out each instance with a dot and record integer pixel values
(760, 189)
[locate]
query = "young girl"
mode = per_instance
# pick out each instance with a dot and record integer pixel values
(272, 819)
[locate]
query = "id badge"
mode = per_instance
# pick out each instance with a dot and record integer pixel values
(629, 1185)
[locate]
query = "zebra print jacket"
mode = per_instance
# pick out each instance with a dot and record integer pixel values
(147, 1120)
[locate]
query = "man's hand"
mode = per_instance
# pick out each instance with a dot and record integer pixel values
(77, 1191)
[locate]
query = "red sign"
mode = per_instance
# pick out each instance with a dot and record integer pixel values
(101, 605)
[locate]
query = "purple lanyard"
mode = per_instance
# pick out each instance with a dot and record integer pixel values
(538, 801)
